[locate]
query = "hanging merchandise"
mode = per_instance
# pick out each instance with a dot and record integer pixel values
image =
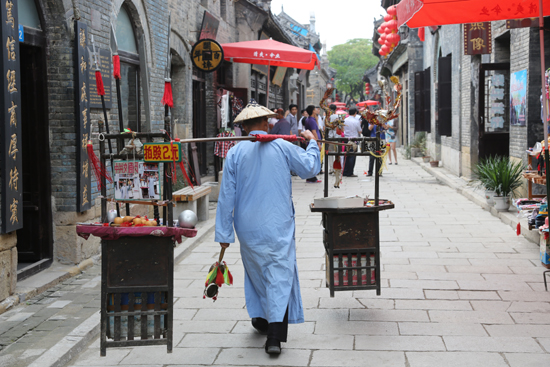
(222, 147)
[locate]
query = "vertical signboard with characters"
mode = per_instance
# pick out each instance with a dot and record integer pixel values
(12, 162)
(82, 117)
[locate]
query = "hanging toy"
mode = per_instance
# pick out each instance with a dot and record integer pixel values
(337, 167)
(218, 275)
(98, 168)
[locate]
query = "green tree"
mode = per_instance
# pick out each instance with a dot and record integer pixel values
(351, 60)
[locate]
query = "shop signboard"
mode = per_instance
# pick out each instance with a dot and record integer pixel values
(518, 95)
(477, 38)
(162, 152)
(82, 118)
(10, 125)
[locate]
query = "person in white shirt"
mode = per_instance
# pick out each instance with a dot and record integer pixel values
(352, 129)
(301, 121)
(320, 119)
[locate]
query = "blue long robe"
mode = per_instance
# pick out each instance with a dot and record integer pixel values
(256, 198)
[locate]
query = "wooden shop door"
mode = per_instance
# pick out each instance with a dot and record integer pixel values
(34, 240)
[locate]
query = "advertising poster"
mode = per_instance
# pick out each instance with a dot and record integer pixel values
(136, 180)
(518, 95)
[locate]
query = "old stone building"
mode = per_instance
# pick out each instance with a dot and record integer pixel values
(463, 102)
(55, 68)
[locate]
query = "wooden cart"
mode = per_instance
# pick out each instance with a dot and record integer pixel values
(137, 273)
(351, 236)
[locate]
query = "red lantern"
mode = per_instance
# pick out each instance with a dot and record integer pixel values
(388, 17)
(392, 25)
(380, 30)
(385, 49)
(382, 39)
(393, 39)
(392, 10)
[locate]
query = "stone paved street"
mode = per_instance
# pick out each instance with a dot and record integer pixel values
(29, 330)
(459, 288)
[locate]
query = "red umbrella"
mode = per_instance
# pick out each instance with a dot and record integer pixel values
(367, 103)
(421, 13)
(271, 53)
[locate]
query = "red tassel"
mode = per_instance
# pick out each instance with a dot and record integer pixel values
(97, 167)
(219, 277)
(230, 276)
(518, 229)
(422, 33)
(99, 83)
(116, 66)
(185, 175)
(167, 99)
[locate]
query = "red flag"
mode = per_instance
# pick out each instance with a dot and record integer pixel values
(167, 98)
(99, 83)
(116, 66)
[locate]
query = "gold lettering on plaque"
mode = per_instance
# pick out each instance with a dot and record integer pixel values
(85, 195)
(14, 178)
(9, 15)
(85, 117)
(85, 169)
(10, 46)
(84, 140)
(12, 149)
(13, 210)
(12, 87)
(83, 97)
(13, 115)
(477, 43)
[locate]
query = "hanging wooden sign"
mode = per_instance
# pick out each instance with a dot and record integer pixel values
(207, 55)
(477, 38)
(82, 117)
(10, 126)
(522, 23)
(162, 152)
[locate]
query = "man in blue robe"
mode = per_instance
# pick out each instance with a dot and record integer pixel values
(256, 198)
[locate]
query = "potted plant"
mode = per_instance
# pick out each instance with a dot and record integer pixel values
(509, 179)
(483, 175)
(418, 145)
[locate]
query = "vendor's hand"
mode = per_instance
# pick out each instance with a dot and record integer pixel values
(224, 245)
(308, 135)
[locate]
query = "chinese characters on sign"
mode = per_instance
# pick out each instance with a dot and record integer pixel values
(11, 168)
(207, 55)
(82, 113)
(162, 152)
(477, 38)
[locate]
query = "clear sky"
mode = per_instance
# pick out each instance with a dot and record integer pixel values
(336, 21)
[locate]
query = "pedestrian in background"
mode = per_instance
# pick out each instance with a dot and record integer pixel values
(392, 138)
(282, 127)
(292, 117)
(311, 124)
(352, 129)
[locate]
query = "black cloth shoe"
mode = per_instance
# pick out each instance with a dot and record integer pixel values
(273, 346)
(260, 324)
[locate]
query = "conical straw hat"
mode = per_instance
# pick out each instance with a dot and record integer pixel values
(253, 110)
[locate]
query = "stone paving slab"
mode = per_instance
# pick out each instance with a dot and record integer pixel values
(459, 289)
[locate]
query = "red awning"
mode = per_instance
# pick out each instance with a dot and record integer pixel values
(420, 13)
(270, 52)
